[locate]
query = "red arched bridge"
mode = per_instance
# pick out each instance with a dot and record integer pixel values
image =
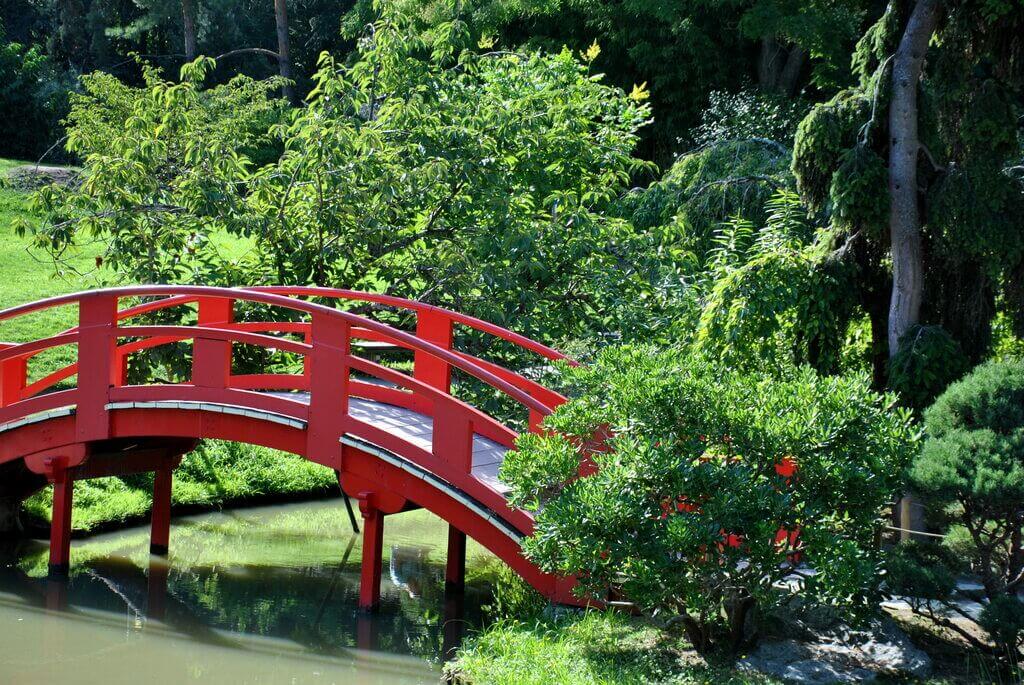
(396, 440)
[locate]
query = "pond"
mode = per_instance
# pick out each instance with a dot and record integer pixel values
(258, 595)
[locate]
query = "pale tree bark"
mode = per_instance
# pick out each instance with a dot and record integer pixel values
(284, 61)
(904, 147)
(904, 217)
(188, 16)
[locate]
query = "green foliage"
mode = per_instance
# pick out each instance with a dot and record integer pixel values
(769, 300)
(971, 472)
(33, 98)
(476, 181)
(968, 120)
(859, 194)
(514, 598)
(684, 49)
(1003, 619)
(726, 179)
(692, 467)
(591, 648)
(214, 475)
(822, 141)
(161, 173)
(928, 570)
(748, 114)
(929, 359)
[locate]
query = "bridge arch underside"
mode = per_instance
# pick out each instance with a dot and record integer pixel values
(381, 477)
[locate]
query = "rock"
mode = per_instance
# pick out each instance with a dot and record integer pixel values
(31, 176)
(815, 671)
(841, 655)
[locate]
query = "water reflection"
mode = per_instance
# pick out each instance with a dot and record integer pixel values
(246, 596)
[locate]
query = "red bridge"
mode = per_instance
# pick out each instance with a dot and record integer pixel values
(397, 440)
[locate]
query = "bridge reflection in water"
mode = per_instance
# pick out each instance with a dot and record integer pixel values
(254, 595)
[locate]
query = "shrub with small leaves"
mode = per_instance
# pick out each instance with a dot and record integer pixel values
(713, 481)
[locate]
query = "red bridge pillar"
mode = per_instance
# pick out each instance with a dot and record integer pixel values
(455, 565)
(60, 526)
(373, 548)
(160, 522)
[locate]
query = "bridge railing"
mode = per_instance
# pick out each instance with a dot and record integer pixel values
(325, 348)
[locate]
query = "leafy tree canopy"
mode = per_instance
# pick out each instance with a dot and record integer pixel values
(474, 180)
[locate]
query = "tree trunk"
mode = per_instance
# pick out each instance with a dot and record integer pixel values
(769, 64)
(283, 58)
(188, 17)
(904, 218)
(789, 78)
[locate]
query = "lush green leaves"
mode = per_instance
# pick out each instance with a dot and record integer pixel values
(971, 473)
(683, 513)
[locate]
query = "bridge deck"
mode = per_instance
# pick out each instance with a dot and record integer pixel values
(418, 430)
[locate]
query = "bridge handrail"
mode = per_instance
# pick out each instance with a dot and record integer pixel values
(183, 294)
(413, 305)
(450, 316)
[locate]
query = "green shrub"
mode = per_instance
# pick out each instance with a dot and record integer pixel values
(683, 514)
(929, 359)
(970, 472)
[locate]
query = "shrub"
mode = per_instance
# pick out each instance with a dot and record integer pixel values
(970, 472)
(688, 513)
(929, 359)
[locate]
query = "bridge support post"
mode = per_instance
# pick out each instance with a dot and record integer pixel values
(455, 565)
(156, 590)
(373, 548)
(60, 526)
(160, 522)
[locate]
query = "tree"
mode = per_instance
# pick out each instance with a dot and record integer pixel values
(971, 471)
(284, 59)
(479, 181)
(188, 19)
(713, 487)
(905, 147)
(683, 49)
(940, 134)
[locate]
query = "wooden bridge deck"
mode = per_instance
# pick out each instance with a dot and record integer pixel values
(418, 429)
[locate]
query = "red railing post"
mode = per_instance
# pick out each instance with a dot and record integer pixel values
(211, 359)
(328, 388)
(97, 343)
(453, 435)
(120, 369)
(434, 327)
(13, 378)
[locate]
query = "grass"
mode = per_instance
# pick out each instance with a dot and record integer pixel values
(215, 475)
(593, 648)
(596, 648)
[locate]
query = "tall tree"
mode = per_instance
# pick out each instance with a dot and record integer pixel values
(283, 57)
(905, 148)
(188, 21)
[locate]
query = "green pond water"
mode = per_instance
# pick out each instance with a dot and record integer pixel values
(260, 595)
